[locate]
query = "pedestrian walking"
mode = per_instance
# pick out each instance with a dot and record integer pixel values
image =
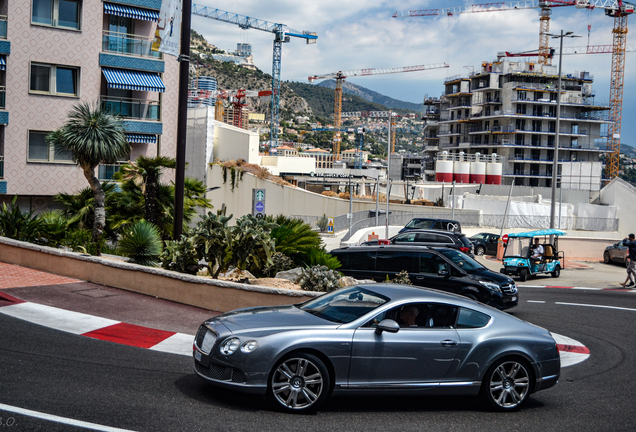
(630, 242)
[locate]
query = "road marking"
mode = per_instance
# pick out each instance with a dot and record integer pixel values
(536, 301)
(571, 351)
(596, 306)
(63, 420)
(59, 319)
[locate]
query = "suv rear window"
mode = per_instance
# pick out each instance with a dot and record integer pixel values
(465, 241)
(420, 223)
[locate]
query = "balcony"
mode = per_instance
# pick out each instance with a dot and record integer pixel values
(3, 96)
(3, 26)
(127, 44)
(139, 109)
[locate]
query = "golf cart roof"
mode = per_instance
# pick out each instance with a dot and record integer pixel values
(539, 233)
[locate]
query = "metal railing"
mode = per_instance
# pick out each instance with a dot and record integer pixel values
(142, 109)
(3, 26)
(123, 43)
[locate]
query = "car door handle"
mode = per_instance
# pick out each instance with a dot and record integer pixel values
(448, 342)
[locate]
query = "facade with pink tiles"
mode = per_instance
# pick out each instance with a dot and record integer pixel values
(51, 66)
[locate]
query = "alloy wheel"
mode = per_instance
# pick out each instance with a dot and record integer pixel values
(509, 385)
(298, 383)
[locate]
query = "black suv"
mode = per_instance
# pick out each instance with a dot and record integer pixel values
(436, 224)
(443, 269)
(431, 238)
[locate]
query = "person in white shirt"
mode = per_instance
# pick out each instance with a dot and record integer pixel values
(537, 250)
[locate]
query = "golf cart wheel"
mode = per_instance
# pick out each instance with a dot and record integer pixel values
(557, 271)
(503, 271)
(523, 275)
(606, 257)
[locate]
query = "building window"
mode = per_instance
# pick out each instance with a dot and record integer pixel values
(40, 151)
(57, 13)
(54, 79)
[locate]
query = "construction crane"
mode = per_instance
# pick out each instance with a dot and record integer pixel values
(588, 49)
(390, 115)
(341, 76)
(282, 34)
(237, 99)
(617, 9)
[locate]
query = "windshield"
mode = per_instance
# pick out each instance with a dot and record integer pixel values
(517, 247)
(464, 262)
(344, 305)
(479, 236)
(420, 223)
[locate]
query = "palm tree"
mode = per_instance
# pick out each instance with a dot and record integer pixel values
(146, 172)
(92, 136)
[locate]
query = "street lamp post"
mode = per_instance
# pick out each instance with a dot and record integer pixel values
(555, 162)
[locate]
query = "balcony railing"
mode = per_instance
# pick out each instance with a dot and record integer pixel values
(141, 109)
(133, 45)
(3, 26)
(3, 96)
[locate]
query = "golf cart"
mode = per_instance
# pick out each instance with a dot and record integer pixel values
(518, 259)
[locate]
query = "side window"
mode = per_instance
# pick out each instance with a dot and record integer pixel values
(432, 264)
(395, 261)
(362, 260)
(419, 316)
(442, 239)
(437, 225)
(405, 238)
(469, 318)
(425, 237)
(344, 259)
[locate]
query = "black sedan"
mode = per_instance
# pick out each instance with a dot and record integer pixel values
(485, 243)
(377, 339)
(615, 253)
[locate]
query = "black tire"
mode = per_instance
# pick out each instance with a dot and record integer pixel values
(606, 257)
(523, 275)
(299, 383)
(507, 384)
(480, 250)
(557, 271)
(503, 271)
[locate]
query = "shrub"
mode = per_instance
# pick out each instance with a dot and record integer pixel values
(280, 262)
(251, 244)
(77, 240)
(319, 278)
(402, 278)
(180, 255)
(212, 238)
(54, 228)
(293, 237)
(320, 257)
(19, 225)
(141, 243)
(323, 223)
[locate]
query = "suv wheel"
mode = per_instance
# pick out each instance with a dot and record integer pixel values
(480, 250)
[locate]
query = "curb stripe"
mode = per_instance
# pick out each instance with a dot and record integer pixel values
(573, 349)
(130, 334)
(59, 319)
(9, 298)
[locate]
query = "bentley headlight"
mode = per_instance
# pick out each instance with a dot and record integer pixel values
(230, 346)
(491, 286)
(249, 346)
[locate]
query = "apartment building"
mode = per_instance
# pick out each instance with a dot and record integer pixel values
(509, 108)
(56, 53)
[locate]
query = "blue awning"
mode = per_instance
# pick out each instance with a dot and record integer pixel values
(133, 80)
(131, 12)
(138, 138)
(3, 63)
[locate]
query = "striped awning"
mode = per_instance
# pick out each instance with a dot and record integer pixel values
(138, 138)
(133, 80)
(3, 63)
(131, 12)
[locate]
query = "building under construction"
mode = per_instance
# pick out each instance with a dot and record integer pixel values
(509, 109)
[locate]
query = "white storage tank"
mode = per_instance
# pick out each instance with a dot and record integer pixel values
(493, 173)
(461, 171)
(478, 172)
(444, 171)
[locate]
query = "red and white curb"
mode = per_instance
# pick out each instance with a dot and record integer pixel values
(101, 328)
(570, 350)
(578, 288)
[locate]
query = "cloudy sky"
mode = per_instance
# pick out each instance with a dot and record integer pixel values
(358, 34)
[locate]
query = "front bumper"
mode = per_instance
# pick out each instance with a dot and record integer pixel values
(227, 377)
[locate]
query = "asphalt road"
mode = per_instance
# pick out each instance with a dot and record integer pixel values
(135, 389)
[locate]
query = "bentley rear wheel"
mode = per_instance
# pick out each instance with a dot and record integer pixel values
(506, 386)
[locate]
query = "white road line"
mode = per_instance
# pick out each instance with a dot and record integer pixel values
(60, 319)
(536, 301)
(58, 419)
(176, 344)
(569, 358)
(596, 306)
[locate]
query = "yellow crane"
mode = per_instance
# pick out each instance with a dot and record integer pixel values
(341, 76)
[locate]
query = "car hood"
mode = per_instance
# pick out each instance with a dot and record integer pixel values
(269, 318)
(488, 275)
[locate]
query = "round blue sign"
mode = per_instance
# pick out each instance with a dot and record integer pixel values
(260, 207)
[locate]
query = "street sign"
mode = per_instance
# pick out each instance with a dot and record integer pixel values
(330, 225)
(504, 238)
(258, 203)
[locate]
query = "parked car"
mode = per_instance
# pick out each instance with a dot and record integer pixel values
(350, 342)
(431, 238)
(440, 268)
(436, 224)
(615, 253)
(485, 243)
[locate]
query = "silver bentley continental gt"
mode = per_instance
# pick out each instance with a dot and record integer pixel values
(377, 339)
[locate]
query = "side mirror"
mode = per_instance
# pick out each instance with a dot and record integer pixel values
(387, 325)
